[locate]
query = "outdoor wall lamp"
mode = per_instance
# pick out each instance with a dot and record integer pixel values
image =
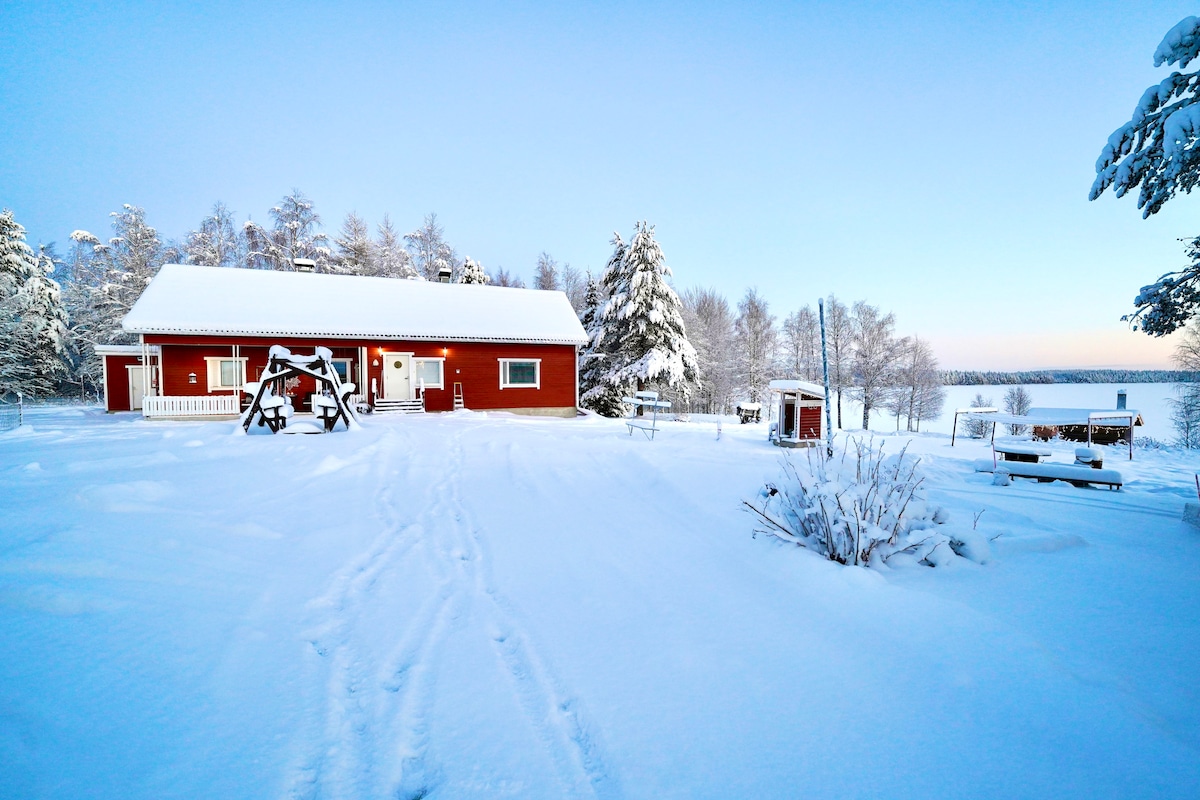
(191, 377)
(445, 352)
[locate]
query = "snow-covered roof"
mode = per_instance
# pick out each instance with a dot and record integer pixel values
(220, 301)
(798, 386)
(1060, 416)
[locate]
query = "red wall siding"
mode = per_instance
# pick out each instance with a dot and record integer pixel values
(810, 422)
(118, 381)
(475, 365)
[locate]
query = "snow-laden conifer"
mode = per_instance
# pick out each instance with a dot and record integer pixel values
(473, 272)
(33, 324)
(355, 250)
(641, 336)
(391, 258)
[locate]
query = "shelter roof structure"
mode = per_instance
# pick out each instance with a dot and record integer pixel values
(221, 301)
(813, 389)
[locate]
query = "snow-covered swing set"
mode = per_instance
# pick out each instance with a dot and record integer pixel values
(270, 406)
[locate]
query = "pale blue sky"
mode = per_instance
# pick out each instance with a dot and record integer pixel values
(932, 158)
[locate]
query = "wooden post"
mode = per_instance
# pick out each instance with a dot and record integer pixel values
(954, 429)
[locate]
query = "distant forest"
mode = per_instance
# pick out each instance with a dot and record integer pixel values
(980, 378)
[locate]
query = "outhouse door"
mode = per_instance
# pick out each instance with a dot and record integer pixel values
(397, 376)
(137, 386)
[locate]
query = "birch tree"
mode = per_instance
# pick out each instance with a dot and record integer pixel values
(801, 345)
(876, 352)
(754, 343)
(709, 322)
(355, 250)
(218, 242)
(429, 250)
(839, 338)
(295, 233)
(545, 274)
(391, 257)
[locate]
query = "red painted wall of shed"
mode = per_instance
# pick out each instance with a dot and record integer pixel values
(118, 381)
(810, 422)
(476, 365)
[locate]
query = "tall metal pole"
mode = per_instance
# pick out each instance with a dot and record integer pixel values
(825, 366)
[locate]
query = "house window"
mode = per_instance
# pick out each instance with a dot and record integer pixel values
(523, 373)
(344, 367)
(430, 372)
(225, 373)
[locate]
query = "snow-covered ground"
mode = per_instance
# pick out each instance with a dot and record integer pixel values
(481, 606)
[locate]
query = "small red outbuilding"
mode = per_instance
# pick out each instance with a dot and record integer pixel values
(206, 331)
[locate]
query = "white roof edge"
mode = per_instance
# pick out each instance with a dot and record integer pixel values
(123, 349)
(375, 336)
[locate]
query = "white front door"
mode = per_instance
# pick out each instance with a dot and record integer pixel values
(137, 387)
(397, 380)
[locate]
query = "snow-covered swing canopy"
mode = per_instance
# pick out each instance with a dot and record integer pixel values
(1077, 421)
(270, 406)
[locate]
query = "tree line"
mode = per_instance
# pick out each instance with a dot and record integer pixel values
(1047, 376)
(55, 309)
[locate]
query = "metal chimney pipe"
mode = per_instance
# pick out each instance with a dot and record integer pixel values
(1120, 399)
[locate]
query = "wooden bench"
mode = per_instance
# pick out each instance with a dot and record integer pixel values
(642, 401)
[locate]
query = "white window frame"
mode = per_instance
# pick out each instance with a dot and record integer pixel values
(416, 373)
(537, 372)
(212, 366)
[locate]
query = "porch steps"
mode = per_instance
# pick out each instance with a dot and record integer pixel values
(400, 406)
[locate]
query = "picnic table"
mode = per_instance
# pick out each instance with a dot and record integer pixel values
(1028, 453)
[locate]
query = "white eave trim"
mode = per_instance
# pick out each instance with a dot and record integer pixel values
(390, 336)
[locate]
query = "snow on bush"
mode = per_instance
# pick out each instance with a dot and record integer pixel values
(863, 508)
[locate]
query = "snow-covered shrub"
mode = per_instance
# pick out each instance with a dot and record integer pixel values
(862, 507)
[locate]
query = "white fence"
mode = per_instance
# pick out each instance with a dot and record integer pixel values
(225, 405)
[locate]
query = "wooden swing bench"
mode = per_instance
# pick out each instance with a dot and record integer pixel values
(271, 408)
(641, 401)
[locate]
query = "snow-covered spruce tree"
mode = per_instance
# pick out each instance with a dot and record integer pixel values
(1158, 149)
(876, 357)
(391, 258)
(218, 242)
(593, 361)
(355, 250)
(642, 335)
(864, 508)
(429, 251)
(755, 341)
(33, 324)
(473, 272)
(294, 234)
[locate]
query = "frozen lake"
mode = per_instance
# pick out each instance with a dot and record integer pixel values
(1151, 399)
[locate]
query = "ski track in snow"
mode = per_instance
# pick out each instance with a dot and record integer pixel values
(376, 733)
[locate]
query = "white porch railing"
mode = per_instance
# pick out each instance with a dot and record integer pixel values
(226, 405)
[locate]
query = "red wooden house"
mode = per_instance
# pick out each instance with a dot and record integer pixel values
(406, 345)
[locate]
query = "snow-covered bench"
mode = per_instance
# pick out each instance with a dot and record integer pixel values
(642, 401)
(1044, 473)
